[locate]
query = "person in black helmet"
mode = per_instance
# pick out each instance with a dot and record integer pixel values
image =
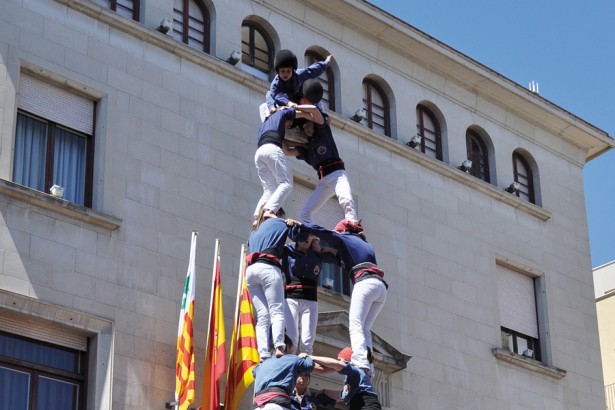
(286, 86)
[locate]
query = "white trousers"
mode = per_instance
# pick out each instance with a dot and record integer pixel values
(274, 175)
(336, 183)
(270, 406)
(304, 313)
(266, 288)
(366, 302)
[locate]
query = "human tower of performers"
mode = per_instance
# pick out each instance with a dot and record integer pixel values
(283, 278)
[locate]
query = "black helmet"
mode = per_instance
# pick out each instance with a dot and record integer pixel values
(285, 58)
(312, 90)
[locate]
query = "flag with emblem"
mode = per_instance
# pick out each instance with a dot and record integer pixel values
(184, 366)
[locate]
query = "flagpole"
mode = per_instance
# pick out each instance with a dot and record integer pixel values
(190, 279)
(213, 284)
(242, 263)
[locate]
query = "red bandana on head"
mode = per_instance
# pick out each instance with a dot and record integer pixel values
(346, 225)
(345, 354)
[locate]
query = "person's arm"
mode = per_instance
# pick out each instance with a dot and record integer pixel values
(330, 394)
(325, 235)
(328, 249)
(315, 70)
(329, 363)
(309, 112)
(274, 96)
(291, 150)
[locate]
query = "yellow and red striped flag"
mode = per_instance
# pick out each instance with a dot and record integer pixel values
(215, 358)
(184, 367)
(244, 353)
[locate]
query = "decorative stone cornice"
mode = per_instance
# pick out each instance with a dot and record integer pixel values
(332, 335)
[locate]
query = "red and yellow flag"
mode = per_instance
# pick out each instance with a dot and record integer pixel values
(244, 353)
(215, 358)
(184, 367)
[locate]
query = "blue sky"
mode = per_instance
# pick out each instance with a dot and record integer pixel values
(567, 46)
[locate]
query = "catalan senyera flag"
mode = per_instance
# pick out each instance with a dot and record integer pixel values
(184, 368)
(244, 353)
(215, 357)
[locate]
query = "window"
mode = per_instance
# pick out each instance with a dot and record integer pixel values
(478, 154)
(54, 143)
(191, 24)
(125, 8)
(523, 175)
(518, 313)
(36, 374)
(377, 107)
(256, 47)
(428, 128)
(331, 275)
(327, 80)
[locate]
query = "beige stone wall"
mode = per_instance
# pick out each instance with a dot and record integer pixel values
(175, 139)
(605, 308)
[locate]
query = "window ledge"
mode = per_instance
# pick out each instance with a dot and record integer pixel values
(333, 297)
(447, 170)
(60, 206)
(528, 363)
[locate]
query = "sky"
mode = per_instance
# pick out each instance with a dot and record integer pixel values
(566, 46)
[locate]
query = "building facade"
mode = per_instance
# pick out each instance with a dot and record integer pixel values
(151, 135)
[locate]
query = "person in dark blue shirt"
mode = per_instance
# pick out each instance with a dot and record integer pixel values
(265, 281)
(358, 259)
(320, 151)
(270, 157)
(302, 263)
(322, 154)
(358, 391)
(287, 84)
(304, 399)
(275, 379)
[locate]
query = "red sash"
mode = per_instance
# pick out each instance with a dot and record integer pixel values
(255, 256)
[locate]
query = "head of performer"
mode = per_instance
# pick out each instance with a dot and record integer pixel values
(346, 225)
(285, 64)
(345, 354)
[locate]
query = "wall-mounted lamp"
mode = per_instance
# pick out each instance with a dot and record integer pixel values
(466, 166)
(165, 26)
(170, 404)
(57, 191)
(359, 115)
(513, 188)
(234, 58)
(528, 353)
(414, 141)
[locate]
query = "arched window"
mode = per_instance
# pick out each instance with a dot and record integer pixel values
(327, 79)
(256, 47)
(523, 175)
(428, 128)
(191, 24)
(478, 154)
(126, 8)
(376, 105)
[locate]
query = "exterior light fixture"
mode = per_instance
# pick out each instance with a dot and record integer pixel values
(513, 188)
(165, 26)
(414, 141)
(466, 166)
(234, 58)
(359, 115)
(57, 191)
